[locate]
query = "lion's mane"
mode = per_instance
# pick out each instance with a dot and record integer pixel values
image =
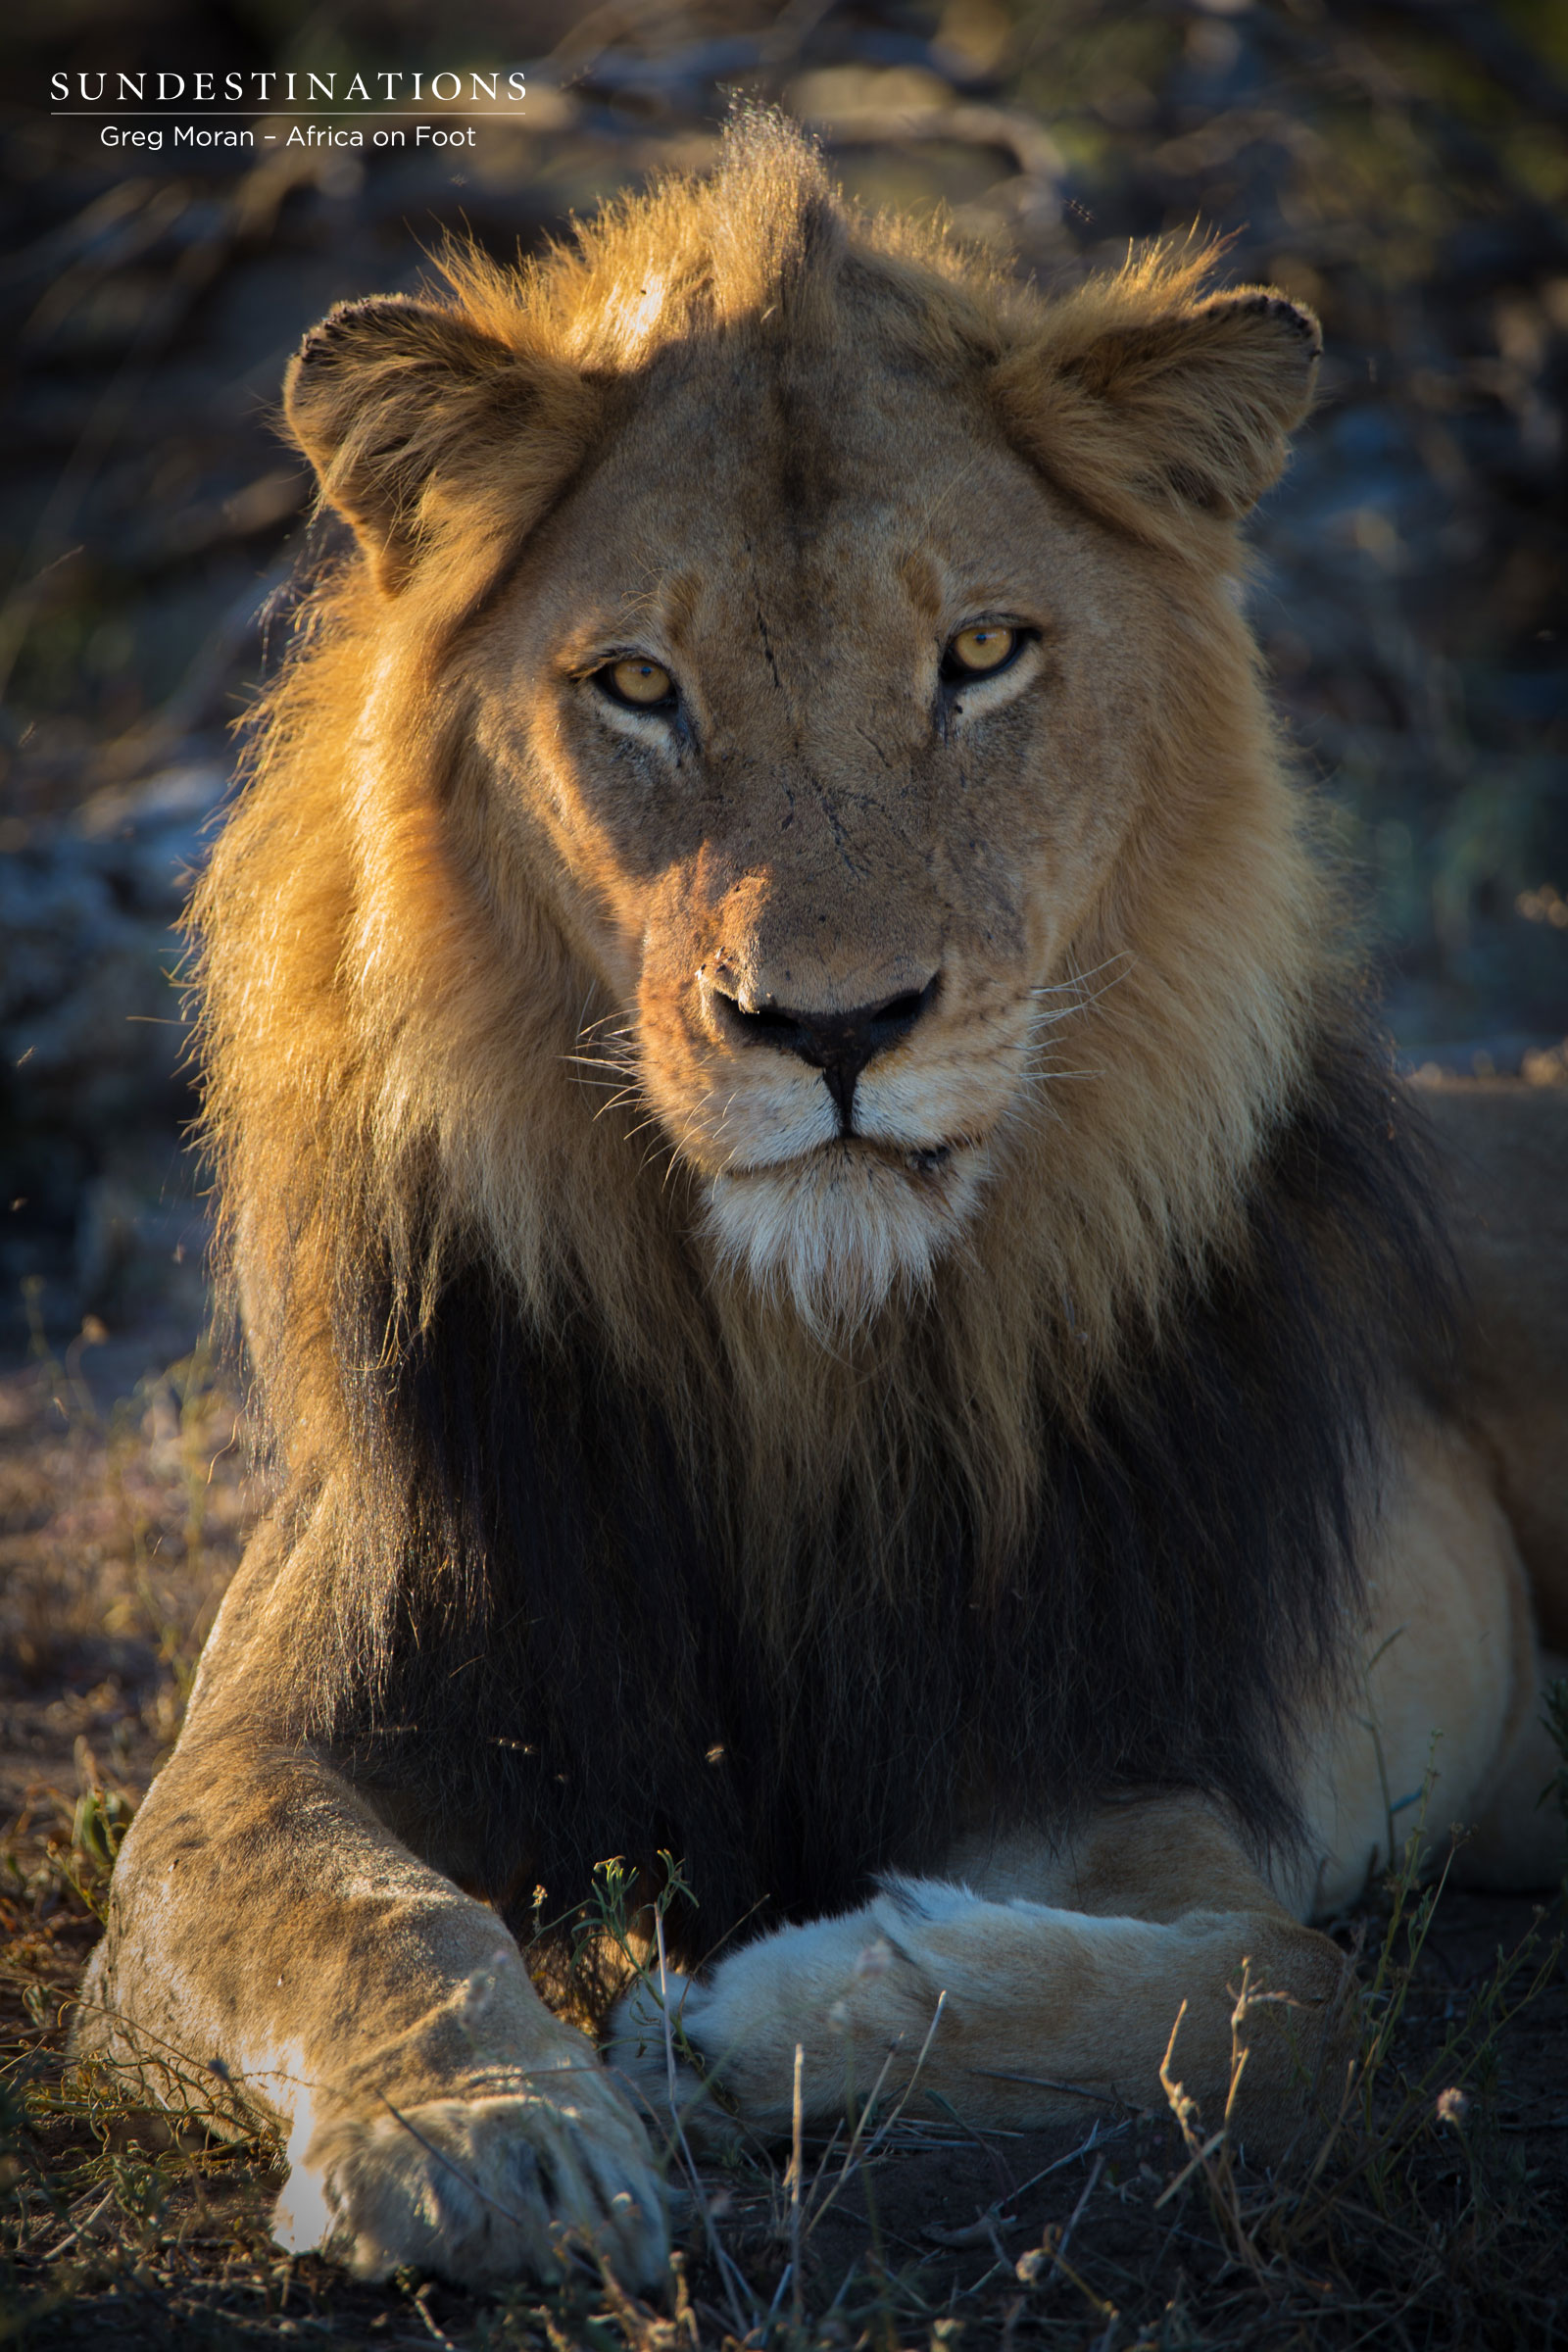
(585, 1546)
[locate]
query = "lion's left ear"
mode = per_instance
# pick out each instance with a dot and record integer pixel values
(1157, 417)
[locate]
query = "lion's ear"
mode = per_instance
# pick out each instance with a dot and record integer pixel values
(1157, 416)
(403, 409)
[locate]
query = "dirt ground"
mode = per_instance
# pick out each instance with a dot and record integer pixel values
(1439, 2215)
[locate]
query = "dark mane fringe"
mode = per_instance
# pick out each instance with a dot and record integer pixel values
(576, 1670)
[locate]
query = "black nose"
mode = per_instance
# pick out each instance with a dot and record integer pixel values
(838, 1044)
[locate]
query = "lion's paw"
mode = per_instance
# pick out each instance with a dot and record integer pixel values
(846, 1992)
(480, 2189)
(639, 2050)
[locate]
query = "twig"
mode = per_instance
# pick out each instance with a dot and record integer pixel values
(421, 2305)
(977, 2232)
(1076, 2090)
(818, 2207)
(96, 2215)
(974, 2231)
(797, 2118)
(868, 2110)
(452, 2165)
(728, 2271)
(1027, 2268)
(1076, 2215)
(1202, 2152)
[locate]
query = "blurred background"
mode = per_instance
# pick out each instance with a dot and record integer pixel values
(1402, 164)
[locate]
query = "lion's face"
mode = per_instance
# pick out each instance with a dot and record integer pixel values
(827, 708)
(850, 671)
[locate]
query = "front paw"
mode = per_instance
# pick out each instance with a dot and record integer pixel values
(650, 2059)
(850, 1993)
(480, 2189)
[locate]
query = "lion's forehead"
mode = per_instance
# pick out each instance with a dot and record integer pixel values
(885, 496)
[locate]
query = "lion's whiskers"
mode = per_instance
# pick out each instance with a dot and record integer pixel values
(587, 1028)
(617, 1101)
(1075, 980)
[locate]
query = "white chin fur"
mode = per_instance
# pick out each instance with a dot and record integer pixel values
(840, 1230)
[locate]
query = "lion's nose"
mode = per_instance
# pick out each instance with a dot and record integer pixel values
(838, 1044)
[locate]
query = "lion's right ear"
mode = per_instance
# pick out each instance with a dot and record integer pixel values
(404, 410)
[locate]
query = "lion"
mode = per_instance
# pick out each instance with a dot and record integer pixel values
(841, 1289)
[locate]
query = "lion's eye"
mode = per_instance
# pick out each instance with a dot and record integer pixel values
(975, 653)
(641, 684)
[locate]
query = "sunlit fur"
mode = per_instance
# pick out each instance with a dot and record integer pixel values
(417, 1000)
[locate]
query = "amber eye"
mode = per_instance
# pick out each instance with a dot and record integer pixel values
(975, 652)
(638, 682)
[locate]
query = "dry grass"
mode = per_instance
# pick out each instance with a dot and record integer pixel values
(1425, 2209)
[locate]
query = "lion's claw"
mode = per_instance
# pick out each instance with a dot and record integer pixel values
(481, 2190)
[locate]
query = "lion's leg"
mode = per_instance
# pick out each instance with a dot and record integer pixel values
(267, 1929)
(1442, 1721)
(1059, 1978)
(1070, 1969)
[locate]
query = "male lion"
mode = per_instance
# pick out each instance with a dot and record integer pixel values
(840, 1290)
